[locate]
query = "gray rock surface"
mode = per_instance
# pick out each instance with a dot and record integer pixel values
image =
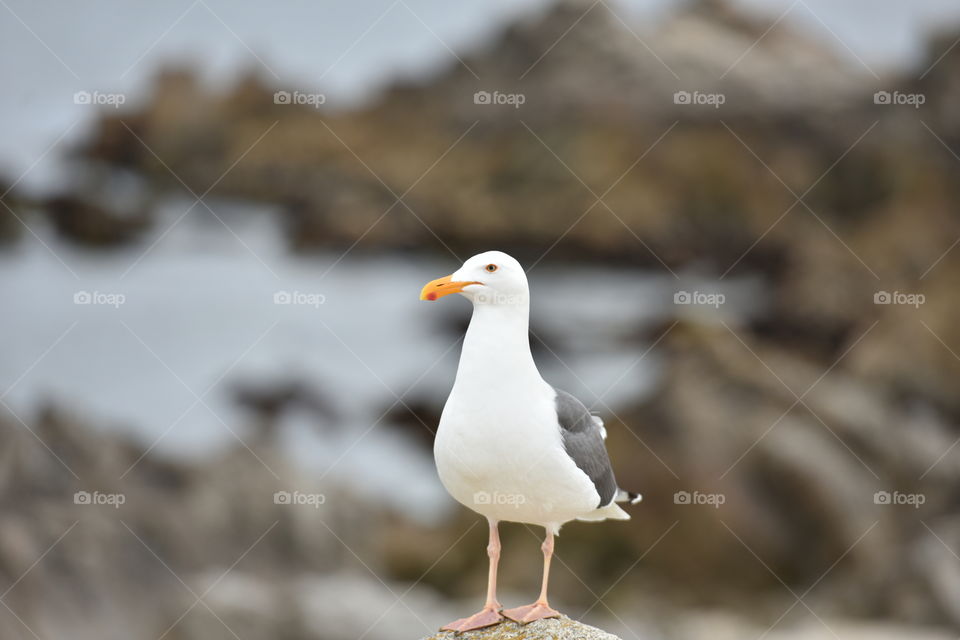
(562, 628)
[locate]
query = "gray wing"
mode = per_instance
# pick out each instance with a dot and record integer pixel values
(583, 441)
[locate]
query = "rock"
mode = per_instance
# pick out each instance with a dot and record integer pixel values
(938, 83)
(598, 100)
(793, 475)
(607, 63)
(100, 207)
(562, 628)
(10, 209)
(176, 516)
(268, 401)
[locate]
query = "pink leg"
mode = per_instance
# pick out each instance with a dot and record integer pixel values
(540, 608)
(490, 614)
(493, 552)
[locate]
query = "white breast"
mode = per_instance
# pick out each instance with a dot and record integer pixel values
(499, 451)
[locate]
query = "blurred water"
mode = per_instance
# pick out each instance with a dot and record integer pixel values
(199, 316)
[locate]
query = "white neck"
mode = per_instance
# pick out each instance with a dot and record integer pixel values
(496, 348)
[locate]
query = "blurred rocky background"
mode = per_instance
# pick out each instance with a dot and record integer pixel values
(219, 392)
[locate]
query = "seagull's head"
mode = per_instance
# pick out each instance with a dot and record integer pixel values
(491, 277)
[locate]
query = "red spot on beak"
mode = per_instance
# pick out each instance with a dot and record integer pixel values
(431, 296)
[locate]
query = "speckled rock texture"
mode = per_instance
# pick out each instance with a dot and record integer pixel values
(562, 628)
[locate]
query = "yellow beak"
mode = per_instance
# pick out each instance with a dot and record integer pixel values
(441, 287)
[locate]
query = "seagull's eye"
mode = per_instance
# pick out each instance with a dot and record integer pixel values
(490, 268)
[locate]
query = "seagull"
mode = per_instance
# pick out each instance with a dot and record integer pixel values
(510, 446)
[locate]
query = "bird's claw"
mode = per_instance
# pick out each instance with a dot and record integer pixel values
(531, 612)
(484, 618)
